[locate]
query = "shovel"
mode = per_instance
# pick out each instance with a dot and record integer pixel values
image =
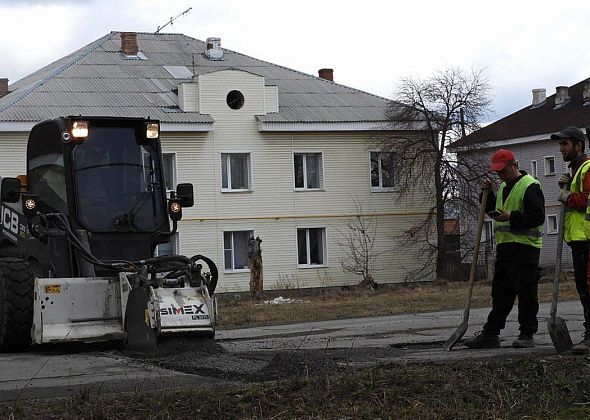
(450, 343)
(560, 336)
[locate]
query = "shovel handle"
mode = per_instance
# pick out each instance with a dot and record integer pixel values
(555, 292)
(473, 270)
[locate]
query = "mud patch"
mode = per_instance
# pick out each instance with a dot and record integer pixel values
(291, 364)
(205, 357)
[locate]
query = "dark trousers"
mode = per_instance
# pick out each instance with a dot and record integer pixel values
(513, 280)
(580, 261)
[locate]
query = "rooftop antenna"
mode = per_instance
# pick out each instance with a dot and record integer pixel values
(172, 19)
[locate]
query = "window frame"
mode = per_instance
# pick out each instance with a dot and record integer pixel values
(324, 247)
(249, 170)
(321, 171)
(174, 169)
(379, 188)
(175, 245)
(535, 166)
(545, 160)
(550, 230)
(234, 270)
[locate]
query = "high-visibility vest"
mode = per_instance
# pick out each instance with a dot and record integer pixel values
(514, 202)
(575, 228)
(577, 223)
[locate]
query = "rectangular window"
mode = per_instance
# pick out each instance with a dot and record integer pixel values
(170, 248)
(311, 248)
(235, 249)
(383, 170)
(534, 168)
(549, 165)
(169, 168)
(235, 172)
(552, 224)
(308, 171)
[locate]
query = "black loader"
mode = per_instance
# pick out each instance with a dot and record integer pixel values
(78, 236)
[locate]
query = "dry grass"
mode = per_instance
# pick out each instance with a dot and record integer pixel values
(333, 304)
(555, 387)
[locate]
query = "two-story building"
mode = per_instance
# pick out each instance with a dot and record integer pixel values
(272, 152)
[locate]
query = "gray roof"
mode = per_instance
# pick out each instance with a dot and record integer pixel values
(98, 80)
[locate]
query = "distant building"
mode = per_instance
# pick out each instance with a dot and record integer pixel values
(527, 133)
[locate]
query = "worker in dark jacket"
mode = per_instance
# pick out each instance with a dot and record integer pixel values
(574, 194)
(519, 211)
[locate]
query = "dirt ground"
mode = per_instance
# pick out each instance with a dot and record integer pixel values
(208, 358)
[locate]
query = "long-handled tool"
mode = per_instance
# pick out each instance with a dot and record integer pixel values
(560, 336)
(450, 343)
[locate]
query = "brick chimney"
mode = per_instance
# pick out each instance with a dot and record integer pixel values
(214, 50)
(129, 43)
(327, 74)
(562, 96)
(539, 97)
(3, 87)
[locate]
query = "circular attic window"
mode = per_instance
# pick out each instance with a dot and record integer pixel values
(235, 99)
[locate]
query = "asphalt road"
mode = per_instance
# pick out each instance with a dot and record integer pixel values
(245, 353)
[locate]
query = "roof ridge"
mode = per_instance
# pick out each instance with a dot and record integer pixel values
(28, 90)
(295, 71)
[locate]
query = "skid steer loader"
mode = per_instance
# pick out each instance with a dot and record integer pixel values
(78, 236)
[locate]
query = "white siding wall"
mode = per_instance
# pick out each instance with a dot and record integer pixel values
(188, 97)
(273, 209)
(271, 97)
(14, 153)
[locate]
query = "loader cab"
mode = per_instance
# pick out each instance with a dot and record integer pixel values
(105, 175)
(117, 181)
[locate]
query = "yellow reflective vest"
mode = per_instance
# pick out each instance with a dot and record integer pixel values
(514, 202)
(575, 228)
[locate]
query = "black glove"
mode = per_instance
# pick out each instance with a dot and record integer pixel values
(564, 181)
(564, 195)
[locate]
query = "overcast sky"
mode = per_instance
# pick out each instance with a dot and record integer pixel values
(370, 44)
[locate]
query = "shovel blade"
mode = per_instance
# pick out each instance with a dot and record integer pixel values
(560, 335)
(457, 335)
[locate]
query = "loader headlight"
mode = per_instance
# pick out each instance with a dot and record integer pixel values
(30, 205)
(152, 131)
(80, 129)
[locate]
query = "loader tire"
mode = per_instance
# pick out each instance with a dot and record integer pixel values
(16, 304)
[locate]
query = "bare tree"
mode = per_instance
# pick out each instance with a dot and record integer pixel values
(443, 107)
(358, 247)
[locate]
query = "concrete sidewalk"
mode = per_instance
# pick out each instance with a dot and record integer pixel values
(368, 341)
(422, 334)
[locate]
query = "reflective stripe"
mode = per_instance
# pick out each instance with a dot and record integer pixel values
(535, 233)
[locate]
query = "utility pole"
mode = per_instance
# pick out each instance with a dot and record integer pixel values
(172, 19)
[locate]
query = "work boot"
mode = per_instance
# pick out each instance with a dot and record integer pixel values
(483, 340)
(584, 346)
(523, 341)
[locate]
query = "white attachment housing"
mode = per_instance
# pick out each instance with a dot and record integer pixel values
(92, 309)
(79, 309)
(187, 309)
